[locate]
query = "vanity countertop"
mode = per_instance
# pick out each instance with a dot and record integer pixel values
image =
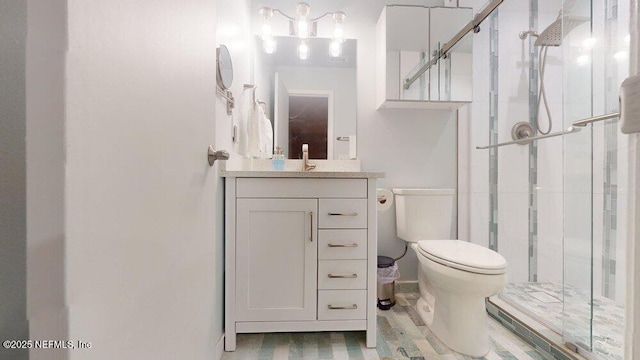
(300, 174)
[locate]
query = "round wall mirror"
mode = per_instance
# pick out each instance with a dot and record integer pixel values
(225, 68)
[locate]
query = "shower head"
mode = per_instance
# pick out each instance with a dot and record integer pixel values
(553, 34)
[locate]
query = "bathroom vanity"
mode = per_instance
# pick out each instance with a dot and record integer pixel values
(300, 252)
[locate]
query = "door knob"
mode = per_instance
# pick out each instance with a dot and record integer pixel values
(213, 155)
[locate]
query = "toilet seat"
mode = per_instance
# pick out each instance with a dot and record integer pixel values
(463, 255)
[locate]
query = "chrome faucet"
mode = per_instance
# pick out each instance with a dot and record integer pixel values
(306, 167)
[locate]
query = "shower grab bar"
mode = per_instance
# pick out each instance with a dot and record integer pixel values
(526, 141)
(471, 26)
(575, 127)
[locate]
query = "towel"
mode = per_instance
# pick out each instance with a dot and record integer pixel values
(260, 134)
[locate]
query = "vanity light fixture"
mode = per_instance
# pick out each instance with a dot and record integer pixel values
(303, 27)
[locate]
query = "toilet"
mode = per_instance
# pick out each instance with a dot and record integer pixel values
(454, 276)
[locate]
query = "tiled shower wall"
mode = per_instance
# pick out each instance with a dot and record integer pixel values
(522, 216)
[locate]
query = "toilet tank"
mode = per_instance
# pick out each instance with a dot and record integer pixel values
(424, 214)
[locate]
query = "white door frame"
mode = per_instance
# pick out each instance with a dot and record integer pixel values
(632, 307)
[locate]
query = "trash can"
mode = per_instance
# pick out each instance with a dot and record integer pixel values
(388, 273)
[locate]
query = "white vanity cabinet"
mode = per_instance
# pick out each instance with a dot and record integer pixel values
(300, 255)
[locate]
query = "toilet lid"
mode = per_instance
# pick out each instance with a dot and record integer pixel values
(464, 255)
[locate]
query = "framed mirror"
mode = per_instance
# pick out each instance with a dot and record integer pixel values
(224, 74)
(311, 101)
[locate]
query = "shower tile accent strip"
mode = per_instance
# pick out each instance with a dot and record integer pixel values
(493, 131)
(610, 196)
(533, 146)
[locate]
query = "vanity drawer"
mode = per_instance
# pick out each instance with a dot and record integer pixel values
(301, 188)
(342, 244)
(342, 304)
(342, 274)
(342, 213)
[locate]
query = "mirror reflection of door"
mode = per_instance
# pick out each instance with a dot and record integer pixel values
(309, 124)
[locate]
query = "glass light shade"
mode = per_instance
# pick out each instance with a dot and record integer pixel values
(302, 20)
(302, 28)
(266, 14)
(269, 45)
(303, 50)
(335, 48)
(338, 31)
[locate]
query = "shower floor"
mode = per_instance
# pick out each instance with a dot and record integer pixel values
(543, 302)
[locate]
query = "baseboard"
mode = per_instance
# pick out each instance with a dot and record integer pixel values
(410, 286)
(219, 348)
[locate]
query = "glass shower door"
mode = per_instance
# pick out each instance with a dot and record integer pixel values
(578, 188)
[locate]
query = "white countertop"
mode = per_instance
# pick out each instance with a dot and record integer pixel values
(262, 168)
(300, 174)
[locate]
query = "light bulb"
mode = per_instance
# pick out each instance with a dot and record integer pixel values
(302, 29)
(266, 14)
(302, 20)
(338, 31)
(269, 45)
(303, 50)
(335, 48)
(266, 29)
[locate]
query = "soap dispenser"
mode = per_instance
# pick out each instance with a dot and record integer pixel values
(278, 159)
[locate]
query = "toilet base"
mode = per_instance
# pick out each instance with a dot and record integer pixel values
(459, 330)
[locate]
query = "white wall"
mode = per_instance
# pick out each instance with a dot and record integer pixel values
(13, 200)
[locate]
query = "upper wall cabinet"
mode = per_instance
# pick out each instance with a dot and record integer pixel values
(407, 38)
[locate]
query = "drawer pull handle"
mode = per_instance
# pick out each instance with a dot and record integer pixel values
(343, 245)
(350, 276)
(352, 307)
(344, 214)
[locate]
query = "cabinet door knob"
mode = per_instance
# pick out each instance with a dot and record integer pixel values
(348, 307)
(343, 245)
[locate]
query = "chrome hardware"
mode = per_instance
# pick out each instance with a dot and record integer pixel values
(228, 96)
(575, 127)
(342, 138)
(343, 245)
(352, 307)
(213, 155)
(585, 122)
(311, 238)
(570, 130)
(306, 166)
(350, 276)
(522, 131)
(343, 214)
